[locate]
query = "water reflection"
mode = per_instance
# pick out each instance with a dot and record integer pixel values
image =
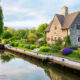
(21, 68)
(5, 57)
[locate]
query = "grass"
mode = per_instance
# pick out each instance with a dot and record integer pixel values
(23, 48)
(72, 57)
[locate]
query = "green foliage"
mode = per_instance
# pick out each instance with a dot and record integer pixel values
(32, 38)
(14, 44)
(76, 53)
(34, 46)
(7, 35)
(67, 41)
(42, 28)
(56, 48)
(22, 33)
(45, 49)
(1, 21)
(58, 42)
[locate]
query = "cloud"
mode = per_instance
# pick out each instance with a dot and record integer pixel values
(34, 12)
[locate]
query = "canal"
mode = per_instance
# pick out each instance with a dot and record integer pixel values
(18, 67)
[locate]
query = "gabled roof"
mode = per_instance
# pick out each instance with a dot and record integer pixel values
(60, 18)
(69, 19)
(64, 21)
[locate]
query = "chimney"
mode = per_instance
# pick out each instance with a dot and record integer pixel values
(65, 11)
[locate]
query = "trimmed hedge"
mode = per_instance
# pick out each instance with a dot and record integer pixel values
(45, 49)
(34, 47)
(56, 48)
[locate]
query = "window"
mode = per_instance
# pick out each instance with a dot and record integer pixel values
(78, 26)
(78, 39)
(55, 28)
(48, 39)
(52, 39)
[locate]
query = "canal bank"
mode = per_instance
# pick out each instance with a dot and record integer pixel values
(63, 62)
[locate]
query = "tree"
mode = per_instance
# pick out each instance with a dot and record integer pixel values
(32, 38)
(11, 30)
(42, 28)
(67, 41)
(1, 21)
(7, 35)
(21, 33)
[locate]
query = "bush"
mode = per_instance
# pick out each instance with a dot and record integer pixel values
(34, 46)
(28, 47)
(76, 53)
(67, 51)
(12, 43)
(56, 48)
(21, 45)
(25, 45)
(16, 44)
(45, 49)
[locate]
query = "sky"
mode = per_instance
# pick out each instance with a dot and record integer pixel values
(31, 13)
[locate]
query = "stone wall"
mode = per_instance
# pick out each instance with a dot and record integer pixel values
(74, 32)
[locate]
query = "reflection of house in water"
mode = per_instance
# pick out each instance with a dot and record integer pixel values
(61, 75)
(54, 76)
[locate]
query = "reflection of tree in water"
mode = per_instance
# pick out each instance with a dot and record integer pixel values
(6, 57)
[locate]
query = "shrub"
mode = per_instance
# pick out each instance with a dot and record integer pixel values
(34, 46)
(12, 43)
(58, 42)
(67, 51)
(28, 47)
(56, 48)
(76, 53)
(67, 41)
(25, 45)
(16, 44)
(45, 49)
(21, 45)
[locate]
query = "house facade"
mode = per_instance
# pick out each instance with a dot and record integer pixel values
(62, 25)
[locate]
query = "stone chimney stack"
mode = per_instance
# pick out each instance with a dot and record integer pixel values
(65, 11)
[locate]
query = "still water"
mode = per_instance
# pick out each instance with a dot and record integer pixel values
(16, 67)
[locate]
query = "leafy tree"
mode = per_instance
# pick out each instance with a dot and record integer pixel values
(11, 30)
(32, 38)
(67, 41)
(42, 28)
(7, 35)
(21, 33)
(33, 30)
(1, 21)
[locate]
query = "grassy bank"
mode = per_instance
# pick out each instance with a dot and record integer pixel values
(72, 57)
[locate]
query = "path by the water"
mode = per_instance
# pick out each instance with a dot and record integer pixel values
(59, 60)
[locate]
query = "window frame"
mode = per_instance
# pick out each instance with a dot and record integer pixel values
(77, 26)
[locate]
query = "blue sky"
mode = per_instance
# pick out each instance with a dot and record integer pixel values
(32, 13)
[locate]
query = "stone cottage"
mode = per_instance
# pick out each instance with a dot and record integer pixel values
(62, 25)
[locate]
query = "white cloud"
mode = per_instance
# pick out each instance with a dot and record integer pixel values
(27, 13)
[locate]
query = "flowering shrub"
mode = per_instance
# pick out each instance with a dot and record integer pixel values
(67, 51)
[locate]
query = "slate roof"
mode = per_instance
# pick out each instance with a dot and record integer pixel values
(64, 21)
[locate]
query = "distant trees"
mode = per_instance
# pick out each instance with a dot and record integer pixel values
(1, 21)
(7, 35)
(30, 35)
(42, 28)
(32, 38)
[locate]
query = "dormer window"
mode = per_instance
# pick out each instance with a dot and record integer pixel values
(78, 27)
(55, 28)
